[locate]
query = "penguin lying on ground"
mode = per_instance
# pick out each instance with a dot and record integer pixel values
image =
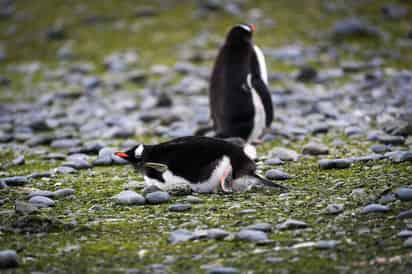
(204, 163)
(240, 102)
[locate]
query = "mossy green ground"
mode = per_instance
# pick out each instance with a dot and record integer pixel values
(117, 238)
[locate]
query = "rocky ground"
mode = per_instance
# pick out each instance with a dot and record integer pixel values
(81, 80)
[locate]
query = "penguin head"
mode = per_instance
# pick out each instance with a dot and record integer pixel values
(133, 155)
(240, 34)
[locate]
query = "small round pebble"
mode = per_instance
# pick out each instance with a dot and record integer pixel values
(217, 233)
(251, 235)
(276, 174)
(291, 224)
(157, 197)
(63, 192)
(375, 208)
(193, 200)
(44, 193)
(334, 163)
(129, 197)
(334, 208)
(404, 193)
(222, 270)
(180, 207)
(8, 259)
(265, 227)
(42, 201)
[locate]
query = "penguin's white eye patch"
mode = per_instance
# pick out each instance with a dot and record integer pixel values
(138, 151)
(245, 27)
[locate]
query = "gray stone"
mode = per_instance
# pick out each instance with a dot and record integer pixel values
(334, 163)
(65, 143)
(408, 243)
(78, 164)
(25, 208)
(105, 156)
(133, 185)
(380, 149)
(42, 201)
(387, 198)
(43, 174)
(276, 174)
(273, 162)
(150, 189)
(375, 208)
(404, 193)
(354, 27)
(15, 181)
(399, 156)
(222, 270)
(291, 224)
(44, 193)
(351, 131)
(284, 154)
(8, 259)
(63, 192)
(180, 207)
(247, 211)
(394, 12)
(334, 208)
(157, 197)
(265, 227)
(193, 199)
(326, 244)
(315, 149)
(391, 140)
(180, 235)
(65, 170)
(251, 235)
(217, 233)
(405, 233)
(129, 197)
(405, 214)
(18, 161)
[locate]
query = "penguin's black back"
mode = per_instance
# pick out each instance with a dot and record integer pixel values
(194, 158)
(231, 104)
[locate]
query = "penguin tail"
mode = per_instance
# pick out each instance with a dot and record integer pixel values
(269, 183)
(202, 131)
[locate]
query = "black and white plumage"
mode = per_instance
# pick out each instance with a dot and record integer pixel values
(240, 101)
(204, 163)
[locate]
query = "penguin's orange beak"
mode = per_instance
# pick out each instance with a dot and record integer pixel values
(253, 27)
(122, 155)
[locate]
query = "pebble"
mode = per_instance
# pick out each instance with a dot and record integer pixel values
(19, 160)
(8, 259)
(63, 192)
(15, 181)
(65, 143)
(273, 162)
(179, 236)
(222, 270)
(405, 233)
(157, 197)
(44, 193)
(24, 208)
(291, 224)
(375, 208)
(217, 233)
(391, 140)
(193, 199)
(78, 164)
(65, 170)
(284, 154)
(251, 235)
(276, 174)
(315, 149)
(404, 193)
(42, 201)
(265, 227)
(334, 163)
(408, 243)
(334, 208)
(326, 244)
(405, 214)
(380, 149)
(180, 207)
(354, 27)
(129, 197)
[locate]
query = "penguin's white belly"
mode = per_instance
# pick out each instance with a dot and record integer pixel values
(259, 121)
(208, 186)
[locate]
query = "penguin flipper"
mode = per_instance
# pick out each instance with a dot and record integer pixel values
(156, 166)
(264, 94)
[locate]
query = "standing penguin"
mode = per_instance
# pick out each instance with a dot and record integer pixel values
(240, 101)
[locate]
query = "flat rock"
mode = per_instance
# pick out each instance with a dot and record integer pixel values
(326, 244)
(391, 140)
(42, 201)
(334, 208)
(44, 193)
(63, 192)
(222, 270)
(380, 149)
(24, 208)
(291, 224)
(217, 233)
(276, 174)
(334, 163)
(265, 227)
(251, 235)
(408, 243)
(404, 193)
(180, 207)
(405, 214)
(65, 143)
(273, 162)
(284, 154)
(354, 27)
(193, 199)
(313, 148)
(8, 259)
(65, 170)
(179, 236)
(19, 160)
(157, 197)
(129, 197)
(15, 181)
(375, 208)
(405, 233)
